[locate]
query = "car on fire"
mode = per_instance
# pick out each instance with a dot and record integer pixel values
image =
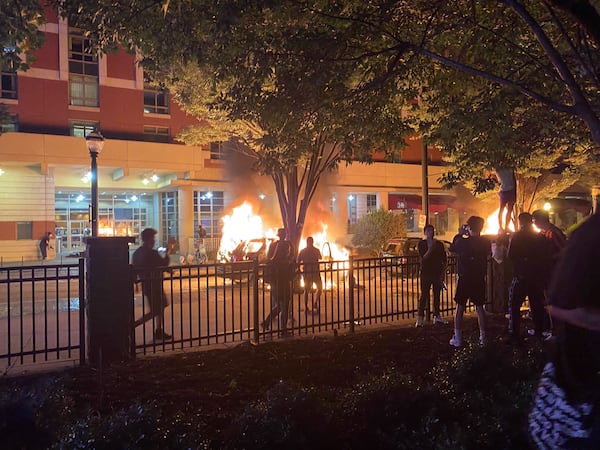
(246, 251)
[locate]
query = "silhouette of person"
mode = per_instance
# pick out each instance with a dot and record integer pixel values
(150, 266)
(280, 257)
(308, 259)
(45, 244)
(433, 271)
(473, 251)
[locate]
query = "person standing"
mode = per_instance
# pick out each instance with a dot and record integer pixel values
(150, 266)
(508, 197)
(280, 257)
(45, 244)
(308, 261)
(473, 251)
(528, 253)
(555, 238)
(566, 410)
(433, 270)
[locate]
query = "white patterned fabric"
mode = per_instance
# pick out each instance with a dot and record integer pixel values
(553, 420)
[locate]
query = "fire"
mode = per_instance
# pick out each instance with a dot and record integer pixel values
(492, 225)
(242, 225)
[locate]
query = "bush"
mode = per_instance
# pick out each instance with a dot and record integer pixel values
(375, 228)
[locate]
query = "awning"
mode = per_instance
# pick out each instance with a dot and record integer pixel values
(437, 203)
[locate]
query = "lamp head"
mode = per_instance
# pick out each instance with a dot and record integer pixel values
(94, 142)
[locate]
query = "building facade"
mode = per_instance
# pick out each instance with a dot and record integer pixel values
(145, 177)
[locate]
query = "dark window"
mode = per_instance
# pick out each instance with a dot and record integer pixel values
(156, 134)
(156, 102)
(24, 230)
(217, 150)
(8, 85)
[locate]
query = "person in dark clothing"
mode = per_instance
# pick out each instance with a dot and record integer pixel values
(528, 252)
(45, 244)
(555, 239)
(574, 365)
(280, 259)
(150, 265)
(433, 270)
(308, 259)
(473, 251)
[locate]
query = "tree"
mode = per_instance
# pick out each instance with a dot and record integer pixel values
(297, 116)
(19, 36)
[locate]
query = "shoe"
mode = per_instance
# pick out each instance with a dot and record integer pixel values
(482, 340)
(438, 319)
(160, 335)
(455, 342)
(419, 323)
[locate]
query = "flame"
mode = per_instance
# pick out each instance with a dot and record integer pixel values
(243, 225)
(492, 225)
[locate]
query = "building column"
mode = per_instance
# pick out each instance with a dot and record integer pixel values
(186, 218)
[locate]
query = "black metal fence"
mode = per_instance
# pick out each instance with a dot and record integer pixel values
(225, 303)
(42, 314)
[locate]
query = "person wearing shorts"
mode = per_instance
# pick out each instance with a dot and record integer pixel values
(308, 260)
(473, 251)
(508, 197)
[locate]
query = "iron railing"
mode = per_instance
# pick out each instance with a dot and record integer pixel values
(42, 313)
(225, 303)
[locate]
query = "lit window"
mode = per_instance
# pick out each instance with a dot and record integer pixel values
(11, 125)
(8, 85)
(82, 129)
(156, 102)
(371, 202)
(83, 71)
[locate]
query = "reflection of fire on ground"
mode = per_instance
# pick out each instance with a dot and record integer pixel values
(242, 226)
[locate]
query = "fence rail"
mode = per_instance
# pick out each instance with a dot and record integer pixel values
(42, 313)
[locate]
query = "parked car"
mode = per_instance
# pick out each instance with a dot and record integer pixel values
(403, 253)
(401, 256)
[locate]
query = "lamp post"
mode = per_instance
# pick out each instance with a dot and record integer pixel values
(94, 142)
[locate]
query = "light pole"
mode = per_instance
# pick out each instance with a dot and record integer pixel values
(94, 142)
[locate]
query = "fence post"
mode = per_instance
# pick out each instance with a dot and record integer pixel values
(255, 300)
(109, 294)
(351, 296)
(82, 309)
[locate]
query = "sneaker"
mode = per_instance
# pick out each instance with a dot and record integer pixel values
(482, 340)
(438, 319)
(419, 323)
(455, 342)
(160, 335)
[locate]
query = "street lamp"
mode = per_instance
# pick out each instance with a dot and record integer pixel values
(94, 142)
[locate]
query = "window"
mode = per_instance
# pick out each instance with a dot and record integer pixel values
(156, 102)
(82, 129)
(217, 150)
(352, 206)
(156, 134)
(371, 202)
(8, 85)
(11, 125)
(208, 209)
(169, 215)
(24, 230)
(83, 71)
